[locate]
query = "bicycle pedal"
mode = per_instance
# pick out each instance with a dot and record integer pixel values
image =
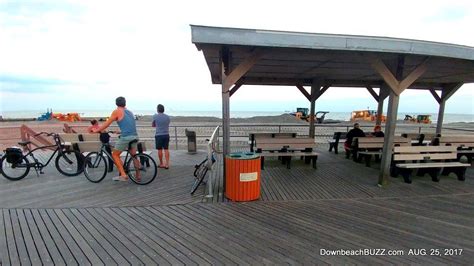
(41, 172)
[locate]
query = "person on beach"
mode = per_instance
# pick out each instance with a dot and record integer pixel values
(378, 133)
(126, 122)
(104, 138)
(355, 132)
(161, 122)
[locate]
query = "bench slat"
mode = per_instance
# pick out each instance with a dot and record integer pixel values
(432, 165)
(418, 149)
(424, 156)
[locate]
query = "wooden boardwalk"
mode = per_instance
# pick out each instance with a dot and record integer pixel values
(53, 219)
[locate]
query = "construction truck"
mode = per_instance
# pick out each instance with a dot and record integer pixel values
(420, 119)
(303, 114)
(365, 115)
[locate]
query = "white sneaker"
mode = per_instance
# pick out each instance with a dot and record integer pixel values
(120, 178)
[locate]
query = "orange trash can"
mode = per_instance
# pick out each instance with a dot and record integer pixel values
(242, 176)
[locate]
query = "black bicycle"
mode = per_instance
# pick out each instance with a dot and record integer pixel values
(15, 165)
(140, 168)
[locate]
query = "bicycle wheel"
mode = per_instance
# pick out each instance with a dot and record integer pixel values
(139, 173)
(95, 167)
(15, 171)
(199, 174)
(70, 163)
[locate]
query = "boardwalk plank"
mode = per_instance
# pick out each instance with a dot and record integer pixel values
(4, 249)
(30, 244)
(265, 235)
(123, 235)
(50, 243)
(91, 247)
(39, 242)
(236, 241)
(158, 245)
(200, 241)
(19, 239)
(113, 240)
(71, 253)
(171, 244)
(139, 239)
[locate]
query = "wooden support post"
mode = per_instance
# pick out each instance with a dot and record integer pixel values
(311, 114)
(389, 136)
(383, 93)
(316, 92)
(396, 88)
(229, 77)
(439, 123)
(447, 92)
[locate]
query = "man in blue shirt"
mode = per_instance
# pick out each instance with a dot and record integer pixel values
(162, 136)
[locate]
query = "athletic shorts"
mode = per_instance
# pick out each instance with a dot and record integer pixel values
(162, 142)
(122, 143)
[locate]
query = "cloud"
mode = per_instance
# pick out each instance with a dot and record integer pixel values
(143, 51)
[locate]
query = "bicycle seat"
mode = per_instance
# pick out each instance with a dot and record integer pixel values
(24, 143)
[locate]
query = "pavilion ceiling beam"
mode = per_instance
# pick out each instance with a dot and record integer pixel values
(242, 68)
(320, 92)
(304, 92)
(235, 88)
(449, 90)
(435, 95)
(399, 86)
(373, 93)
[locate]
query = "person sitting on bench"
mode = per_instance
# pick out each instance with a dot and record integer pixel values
(355, 132)
(378, 133)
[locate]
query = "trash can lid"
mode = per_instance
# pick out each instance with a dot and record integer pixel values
(243, 155)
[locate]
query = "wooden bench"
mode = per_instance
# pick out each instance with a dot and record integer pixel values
(432, 160)
(338, 137)
(254, 136)
(69, 138)
(86, 147)
(286, 148)
(372, 146)
(464, 145)
(421, 139)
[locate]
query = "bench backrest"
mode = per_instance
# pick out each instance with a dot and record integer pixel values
(282, 143)
(374, 143)
(417, 153)
(90, 137)
(457, 141)
(272, 135)
(69, 137)
(87, 146)
(76, 137)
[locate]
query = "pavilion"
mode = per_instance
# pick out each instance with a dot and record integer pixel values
(237, 57)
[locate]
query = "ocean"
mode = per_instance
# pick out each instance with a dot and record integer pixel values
(342, 116)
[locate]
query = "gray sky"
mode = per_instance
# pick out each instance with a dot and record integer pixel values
(83, 54)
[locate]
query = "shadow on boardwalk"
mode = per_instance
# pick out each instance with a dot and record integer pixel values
(56, 219)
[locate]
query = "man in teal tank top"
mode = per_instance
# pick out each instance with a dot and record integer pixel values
(128, 132)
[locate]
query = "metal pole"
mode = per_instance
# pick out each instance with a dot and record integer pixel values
(388, 140)
(176, 136)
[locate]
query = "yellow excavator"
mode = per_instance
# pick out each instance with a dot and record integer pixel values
(420, 119)
(303, 114)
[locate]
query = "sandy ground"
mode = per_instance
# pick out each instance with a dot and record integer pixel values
(240, 128)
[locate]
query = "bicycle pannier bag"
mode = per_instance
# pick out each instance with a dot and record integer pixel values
(13, 155)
